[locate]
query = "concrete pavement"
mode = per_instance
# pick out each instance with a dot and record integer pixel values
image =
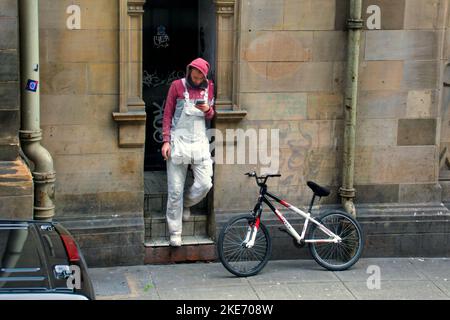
(370, 278)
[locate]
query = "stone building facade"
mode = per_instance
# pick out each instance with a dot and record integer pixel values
(277, 64)
(16, 186)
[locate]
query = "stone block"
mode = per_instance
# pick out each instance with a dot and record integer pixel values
(262, 15)
(392, 165)
(304, 133)
(401, 45)
(10, 124)
(200, 228)
(325, 106)
(377, 193)
(79, 139)
(421, 14)
(309, 14)
(189, 228)
(420, 193)
(15, 179)
(103, 78)
(319, 165)
(158, 229)
(446, 45)
(376, 132)
(17, 207)
(330, 46)
(382, 104)
(113, 255)
(416, 132)
(421, 104)
(274, 106)
(9, 152)
(225, 50)
(338, 77)
(93, 173)
(82, 46)
(419, 75)
(69, 203)
(277, 46)
(9, 38)
(286, 76)
(187, 253)
(9, 91)
(381, 75)
(88, 110)
(63, 78)
(9, 8)
(16, 190)
(131, 135)
(9, 66)
(96, 240)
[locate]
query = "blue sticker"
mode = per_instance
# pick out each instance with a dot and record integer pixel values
(32, 85)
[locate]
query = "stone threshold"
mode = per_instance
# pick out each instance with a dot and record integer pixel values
(185, 241)
(192, 250)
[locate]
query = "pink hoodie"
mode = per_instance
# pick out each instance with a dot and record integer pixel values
(176, 91)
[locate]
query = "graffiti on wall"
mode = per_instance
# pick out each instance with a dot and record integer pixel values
(161, 39)
(153, 80)
(158, 113)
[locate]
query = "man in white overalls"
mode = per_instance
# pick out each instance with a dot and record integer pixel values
(189, 102)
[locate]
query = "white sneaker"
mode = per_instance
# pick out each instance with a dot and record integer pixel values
(186, 213)
(175, 240)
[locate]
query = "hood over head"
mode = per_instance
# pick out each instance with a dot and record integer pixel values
(203, 66)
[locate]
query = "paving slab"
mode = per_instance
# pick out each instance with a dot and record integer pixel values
(196, 275)
(431, 268)
(109, 281)
(389, 269)
(304, 291)
(243, 292)
(397, 290)
(292, 271)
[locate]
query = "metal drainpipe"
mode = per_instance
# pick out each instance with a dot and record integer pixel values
(30, 132)
(354, 24)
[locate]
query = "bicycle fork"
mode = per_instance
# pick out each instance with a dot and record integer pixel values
(251, 234)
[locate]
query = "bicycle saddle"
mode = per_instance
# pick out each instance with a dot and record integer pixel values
(318, 190)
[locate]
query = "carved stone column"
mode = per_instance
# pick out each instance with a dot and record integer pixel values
(227, 73)
(131, 116)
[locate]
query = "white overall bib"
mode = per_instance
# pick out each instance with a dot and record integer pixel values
(189, 144)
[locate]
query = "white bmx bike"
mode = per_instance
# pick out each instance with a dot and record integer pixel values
(335, 238)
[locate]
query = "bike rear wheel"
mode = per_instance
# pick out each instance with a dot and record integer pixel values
(233, 253)
(337, 256)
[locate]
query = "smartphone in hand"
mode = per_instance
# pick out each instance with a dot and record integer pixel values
(200, 102)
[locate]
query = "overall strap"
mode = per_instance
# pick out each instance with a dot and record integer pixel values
(186, 93)
(206, 91)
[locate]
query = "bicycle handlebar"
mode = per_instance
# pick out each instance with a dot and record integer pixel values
(265, 177)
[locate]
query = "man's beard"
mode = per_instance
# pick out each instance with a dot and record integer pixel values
(202, 85)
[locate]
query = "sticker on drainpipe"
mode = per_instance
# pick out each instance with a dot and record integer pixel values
(32, 85)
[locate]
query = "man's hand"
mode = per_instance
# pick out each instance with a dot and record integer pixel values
(165, 150)
(204, 107)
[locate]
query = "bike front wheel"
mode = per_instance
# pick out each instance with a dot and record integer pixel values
(341, 255)
(234, 254)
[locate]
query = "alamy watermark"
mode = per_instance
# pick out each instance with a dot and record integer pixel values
(374, 280)
(74, 280)
(234, 146)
